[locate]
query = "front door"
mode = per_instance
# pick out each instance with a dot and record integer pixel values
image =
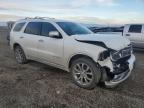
(50, 49)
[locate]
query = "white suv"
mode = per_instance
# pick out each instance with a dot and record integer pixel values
(90, 58)
(135, 33)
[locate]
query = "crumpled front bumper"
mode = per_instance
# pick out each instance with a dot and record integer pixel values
(123, 76)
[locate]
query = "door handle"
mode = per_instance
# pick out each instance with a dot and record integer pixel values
(127, 34)
(21, 37)
(41, 40)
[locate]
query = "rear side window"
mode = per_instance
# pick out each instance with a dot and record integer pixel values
(33, 28)
(135, 28)
(18, 27)
(46, 28)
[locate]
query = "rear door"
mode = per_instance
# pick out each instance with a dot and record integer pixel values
(50, 49)
(134, 33)
(30, 38)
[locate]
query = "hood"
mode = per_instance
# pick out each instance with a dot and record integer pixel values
(111, 41)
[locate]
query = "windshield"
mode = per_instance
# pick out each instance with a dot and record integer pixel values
(71, 28)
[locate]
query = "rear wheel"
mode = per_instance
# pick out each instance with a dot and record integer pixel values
(85, 74)
(20, 55)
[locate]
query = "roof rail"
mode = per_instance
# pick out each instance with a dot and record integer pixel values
(43, 18)
(39, 18)
(28, 18)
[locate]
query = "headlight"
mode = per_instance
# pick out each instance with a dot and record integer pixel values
(104, 55)
(115, 55)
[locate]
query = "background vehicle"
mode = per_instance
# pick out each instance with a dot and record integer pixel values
(104, 30)
(90, 58)
(135, 33)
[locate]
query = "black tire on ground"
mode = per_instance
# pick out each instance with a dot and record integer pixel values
(92, 76)
(20, 55)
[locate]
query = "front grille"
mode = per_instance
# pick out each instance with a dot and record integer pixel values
(118, 69)
(121, 65)
(122, 60)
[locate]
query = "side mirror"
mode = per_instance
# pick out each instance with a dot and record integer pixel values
(55, 34)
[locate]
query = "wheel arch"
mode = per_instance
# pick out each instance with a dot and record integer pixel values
(76, 56)
(15, 45)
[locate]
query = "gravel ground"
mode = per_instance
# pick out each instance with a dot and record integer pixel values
(35, 85)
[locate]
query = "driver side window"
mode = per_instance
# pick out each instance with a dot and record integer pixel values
(46, 28)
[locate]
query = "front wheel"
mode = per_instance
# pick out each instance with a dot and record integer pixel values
(84, 73)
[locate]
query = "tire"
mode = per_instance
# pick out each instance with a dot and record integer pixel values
(20, 55)
(84, 73)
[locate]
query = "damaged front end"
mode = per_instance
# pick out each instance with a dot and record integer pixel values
(116, 66)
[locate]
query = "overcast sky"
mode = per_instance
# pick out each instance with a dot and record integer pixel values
(90, 11)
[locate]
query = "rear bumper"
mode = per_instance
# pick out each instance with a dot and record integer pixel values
(123, 76)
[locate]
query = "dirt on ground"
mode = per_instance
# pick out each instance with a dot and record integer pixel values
(35, 85)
